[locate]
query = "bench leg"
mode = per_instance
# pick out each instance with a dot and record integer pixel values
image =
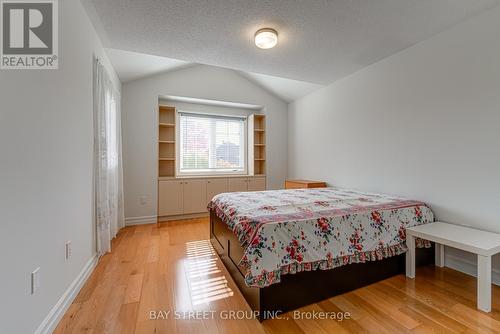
(484, 283)
(439, 254)
(410, 256)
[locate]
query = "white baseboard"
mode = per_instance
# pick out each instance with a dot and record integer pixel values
(468, 267)
(183, 217)
(130, 221)
(55, 315)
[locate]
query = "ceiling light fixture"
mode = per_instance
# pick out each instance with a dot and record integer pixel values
(266, 38)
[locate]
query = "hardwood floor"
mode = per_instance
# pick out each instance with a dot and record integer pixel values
(173, 268)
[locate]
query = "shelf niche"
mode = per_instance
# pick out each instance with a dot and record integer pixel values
(257, 144)
(166, 141)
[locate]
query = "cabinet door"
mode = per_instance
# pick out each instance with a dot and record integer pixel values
(169, 198)
(215, 187)
(257, 184)
(238, 184)
(195, 196)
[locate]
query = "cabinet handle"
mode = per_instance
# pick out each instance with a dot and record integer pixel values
(208, 181)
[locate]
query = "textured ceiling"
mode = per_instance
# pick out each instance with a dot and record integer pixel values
(320, 40)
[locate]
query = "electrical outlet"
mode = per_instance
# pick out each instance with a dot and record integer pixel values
(35, 280)
(68, 249)
(143, 200)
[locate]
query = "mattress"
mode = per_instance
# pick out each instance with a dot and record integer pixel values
(289, 231)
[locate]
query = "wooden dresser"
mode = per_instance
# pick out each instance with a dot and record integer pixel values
(295, 184)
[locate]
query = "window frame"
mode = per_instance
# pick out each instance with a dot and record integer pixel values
(181, 173)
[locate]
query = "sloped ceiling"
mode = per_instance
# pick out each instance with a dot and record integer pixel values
(287, 89)
(132, 65)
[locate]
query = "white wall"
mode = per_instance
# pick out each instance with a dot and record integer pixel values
(424, 123)
(140, 132)
(46, 174)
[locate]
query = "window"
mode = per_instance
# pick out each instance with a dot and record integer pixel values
(211, 144)
(111, 130)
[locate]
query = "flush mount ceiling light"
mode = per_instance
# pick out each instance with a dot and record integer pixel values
(266, 38)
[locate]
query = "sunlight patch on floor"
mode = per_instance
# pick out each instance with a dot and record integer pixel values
(201, 264)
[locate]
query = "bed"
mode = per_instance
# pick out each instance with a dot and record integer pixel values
(289, 248)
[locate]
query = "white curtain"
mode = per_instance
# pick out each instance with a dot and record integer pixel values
(108, 172)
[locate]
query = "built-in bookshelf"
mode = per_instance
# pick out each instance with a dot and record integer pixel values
(257, 144)
(166, 141)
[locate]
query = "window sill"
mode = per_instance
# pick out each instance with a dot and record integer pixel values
(222, 176)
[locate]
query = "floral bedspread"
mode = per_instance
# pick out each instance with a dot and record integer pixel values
(288, 231)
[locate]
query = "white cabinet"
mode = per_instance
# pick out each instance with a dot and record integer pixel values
(215, 187)
(191, 196)
(178, 197)
(247, 184)
(238, 184)
(256, 183)
(194, 196)
(170, 198)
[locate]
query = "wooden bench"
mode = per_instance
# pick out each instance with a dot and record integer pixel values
(483, 244)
